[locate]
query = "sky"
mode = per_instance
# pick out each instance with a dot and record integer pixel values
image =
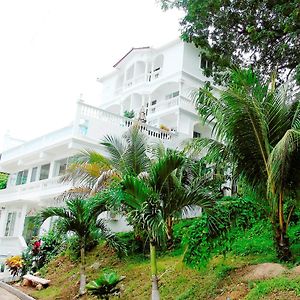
(51, 51)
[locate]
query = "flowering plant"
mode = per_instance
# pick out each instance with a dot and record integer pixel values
(15, 264)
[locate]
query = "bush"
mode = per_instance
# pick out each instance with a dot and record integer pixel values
(294, 236)
(253, 241)
(134, 244)
(105, 285)
(3, 180)
(216, 233)
(129, 114)
(41, 250)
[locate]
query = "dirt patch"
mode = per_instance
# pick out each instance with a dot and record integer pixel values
(296, 270)
(234, 292)
(235, 286)
(262, 271)
(282, 296)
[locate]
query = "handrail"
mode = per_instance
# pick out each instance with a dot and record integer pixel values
(88, 111)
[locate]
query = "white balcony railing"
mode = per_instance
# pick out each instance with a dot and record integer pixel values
(41, 184)
(179, 101)
(88, 111)
(38, 143)
(86, 114)
(26, 190)
(142, 78)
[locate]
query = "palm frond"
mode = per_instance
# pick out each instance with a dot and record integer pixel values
(135, 155)
(163, 168)
(115, 149)
(136, 191)
(111, 239)
(281, 161)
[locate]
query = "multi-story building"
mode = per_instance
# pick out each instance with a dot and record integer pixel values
(156, 84)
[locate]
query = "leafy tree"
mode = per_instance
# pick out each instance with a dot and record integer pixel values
(191, 185)
(151, 199)
(3, 180)
(80, 217)
(142, 202)
(262, 34)
(91, 171)
(260, 134)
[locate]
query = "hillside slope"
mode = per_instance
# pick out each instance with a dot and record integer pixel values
(233, 277)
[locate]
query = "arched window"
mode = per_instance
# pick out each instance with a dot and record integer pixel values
(197, 131)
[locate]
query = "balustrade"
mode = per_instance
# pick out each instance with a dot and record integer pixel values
(180, 101)
(50, 183)
(88, 111)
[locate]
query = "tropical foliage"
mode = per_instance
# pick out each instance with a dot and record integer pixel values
(260, 34)
(153, 199)
(129, 114)
(256, 128)
(90, 171)
(215, 234)
(41, 250)
(15, 265)
(3, 180)
(80, 217)
(105, 285)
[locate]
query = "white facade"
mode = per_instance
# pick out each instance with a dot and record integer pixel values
(159, 80)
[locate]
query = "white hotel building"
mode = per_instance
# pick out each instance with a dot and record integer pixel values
(159, 80)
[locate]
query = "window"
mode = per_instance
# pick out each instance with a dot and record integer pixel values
(205, 63)
(33, 174)
(10, 224)
(83, 126)
(172, 95)
(22, 177)
(60, 167)
(44, 171)
(196, 134)
(13, 179)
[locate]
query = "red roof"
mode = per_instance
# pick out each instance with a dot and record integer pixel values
(132, 49)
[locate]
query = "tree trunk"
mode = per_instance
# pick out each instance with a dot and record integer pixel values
(170, 242)
(282, 244)
(282, 240)
(82, 272)
(155, 291)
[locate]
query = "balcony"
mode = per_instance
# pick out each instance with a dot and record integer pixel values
(118, 124)
(140, 79)
(91, 124)
(38, 143)
(176, 102)
(33, 190)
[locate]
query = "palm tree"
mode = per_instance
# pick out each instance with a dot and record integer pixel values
(90, 171)
(187, 188)
(80, 217)
(257, 129)
(152, 198)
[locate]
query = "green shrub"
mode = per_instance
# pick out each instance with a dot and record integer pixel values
(216, 233)
(180, 229)
(40, 251)
(133, 243)
(263, 288)
(252, 241)
(105, 285)
(3, 180)
(129, 114)
(294, 236)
